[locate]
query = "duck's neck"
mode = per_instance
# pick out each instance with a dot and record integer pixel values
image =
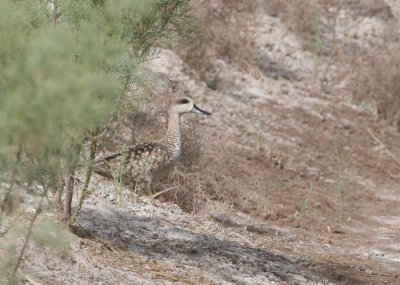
(172, 137)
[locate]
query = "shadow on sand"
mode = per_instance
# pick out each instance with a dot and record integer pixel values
(158, 239)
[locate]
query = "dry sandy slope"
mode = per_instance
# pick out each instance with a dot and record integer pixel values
(152, 243)
(273, 129)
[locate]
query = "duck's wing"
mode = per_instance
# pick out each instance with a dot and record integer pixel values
(146, 157)
(140, 158)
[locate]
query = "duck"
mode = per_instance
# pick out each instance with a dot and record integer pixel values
(137, 165)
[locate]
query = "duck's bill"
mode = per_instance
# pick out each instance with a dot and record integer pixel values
(197, 110)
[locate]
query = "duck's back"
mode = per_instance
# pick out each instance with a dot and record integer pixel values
(146, 158)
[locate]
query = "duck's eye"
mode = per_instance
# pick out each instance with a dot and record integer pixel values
(183, 101)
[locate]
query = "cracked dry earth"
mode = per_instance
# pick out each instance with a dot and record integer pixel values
(272, 134)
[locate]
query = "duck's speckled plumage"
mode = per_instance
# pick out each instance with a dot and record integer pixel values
(143, 161)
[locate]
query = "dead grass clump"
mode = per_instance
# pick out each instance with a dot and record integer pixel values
(185, 182)
(223, 39)
(301, 17)
(185, 190)
(314, 21)
(191, 145)
(375, 81)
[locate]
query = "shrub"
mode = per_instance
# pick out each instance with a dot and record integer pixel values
(65, 67)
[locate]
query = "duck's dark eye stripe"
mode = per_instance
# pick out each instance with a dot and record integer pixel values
(183, 101)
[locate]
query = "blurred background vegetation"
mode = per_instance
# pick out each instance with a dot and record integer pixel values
(65, 67)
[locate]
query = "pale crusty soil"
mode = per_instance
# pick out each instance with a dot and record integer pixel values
(277, 114)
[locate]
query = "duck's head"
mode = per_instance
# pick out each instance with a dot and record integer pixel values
(185, 105)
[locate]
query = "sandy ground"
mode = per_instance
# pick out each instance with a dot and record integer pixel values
(273, 131)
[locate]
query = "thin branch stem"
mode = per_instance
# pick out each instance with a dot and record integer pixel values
(163, 191)
(28, 235)
(57, 196)
(245, 239)
(384, 146)
(92, 156)
(310, 189)
(68, 196)
(70, 187)
(55, 14)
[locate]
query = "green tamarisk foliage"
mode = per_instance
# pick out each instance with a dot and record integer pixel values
(64, 67)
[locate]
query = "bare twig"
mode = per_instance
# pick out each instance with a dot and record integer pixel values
(339, 189)
(93, 148)
(393, 175)
(310, 189)
(57, 193)
(28, 235)
(70, 186)
(68, 196)
(163, 191)
(384, 146)
(55, 15)
(246, 239)
(57, 196)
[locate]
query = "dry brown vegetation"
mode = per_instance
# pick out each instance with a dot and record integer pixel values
(227, 161)
(294, 177)
(225, 39)
(373, 68)
(274, 184)
(375, 82)
(222, 35)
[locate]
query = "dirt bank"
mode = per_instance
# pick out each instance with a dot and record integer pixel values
(297, 181)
